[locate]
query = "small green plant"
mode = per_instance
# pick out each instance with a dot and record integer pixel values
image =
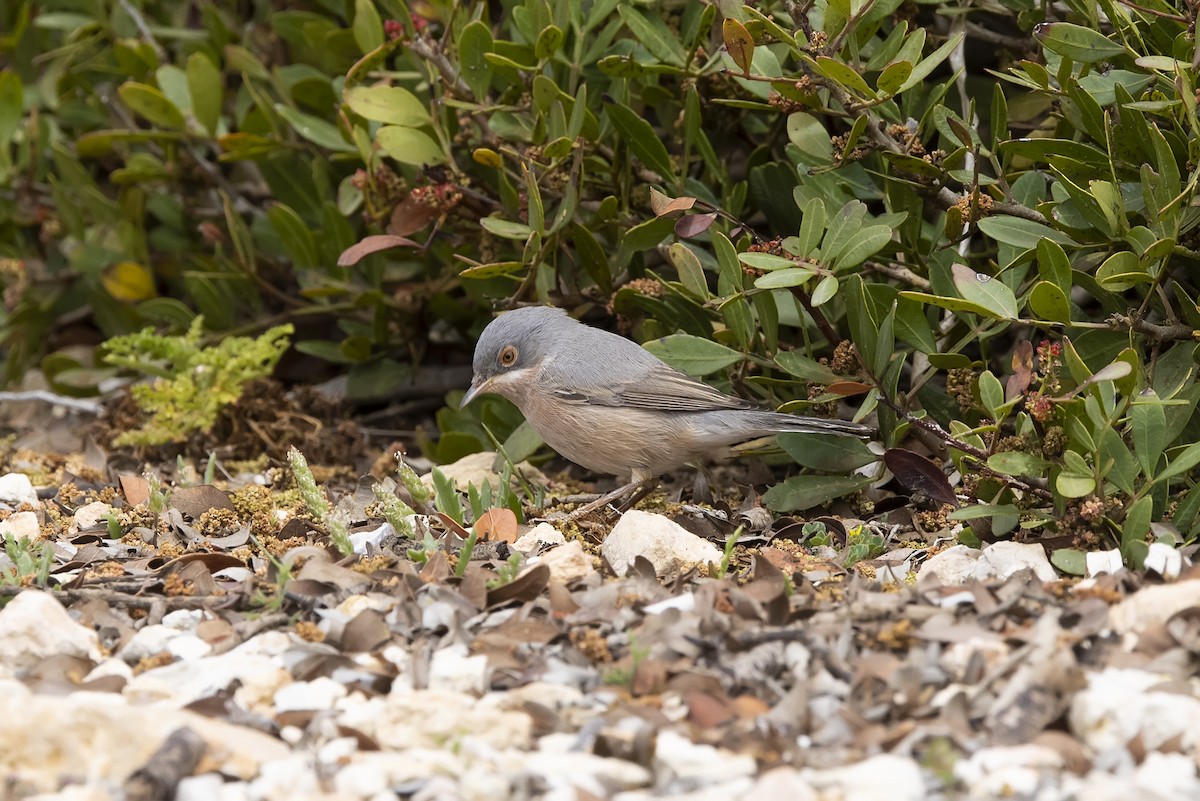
(272, 602)
(727, 557)
(395, 511)
(192, 383)
(446, 498)
(158, 498)
(428, 546)
(506, 572)
(412, 482)
(31, 562)
(464, 555)
(318, 506)
(862, 544)
(815, 534)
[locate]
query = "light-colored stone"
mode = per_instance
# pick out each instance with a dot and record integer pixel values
(20, 525)
(1164, 560)
(1100, 562)
(537, 537)
(476, 469)
(453, 668)
(568, 563)
(34, 626)
(669, 546)
(366, 773)
(99, 739)
(951, 567)
(92, 514)
(889, 777)
(152, 640)
(180, 683)
(782, 782)
(1008, 771)
(1153, 605)
(16, 489)
(682, 765)
(320, 693)
(438, 718)
(600, 776)
(1118, 705)
(1003, 559)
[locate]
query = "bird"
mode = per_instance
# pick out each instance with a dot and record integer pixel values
(611, 406)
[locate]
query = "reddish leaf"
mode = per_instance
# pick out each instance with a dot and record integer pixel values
(411, 216)
(920, 474)
(373, 244)
(1022, 365)
(497, 524)
(662, 204)
(694, 224)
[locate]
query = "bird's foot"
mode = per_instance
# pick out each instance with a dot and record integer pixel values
(636, 490)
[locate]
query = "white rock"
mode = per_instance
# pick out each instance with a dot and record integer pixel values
(881, 777)
(34, 626)
(782, 782)
(536, 537)
(669, 546)
(1099, 562)
(320, 693)
(1003, 559)
(951, 567)
(20, 525)
(184, 619)
(90, 515)
(367, 773)
(147, 641)
(1173, 775)
(568, 563)
(98, 738)
(453, 669)
(361, 539)
(1116, 707)
(597, 775)
(684, 602)
(180, 683)
(1153, 606)
(680, 764)
(1008, 771)
(1164, 560)
(16, 489)
(436, 718)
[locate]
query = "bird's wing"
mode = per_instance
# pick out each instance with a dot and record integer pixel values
(659, 389)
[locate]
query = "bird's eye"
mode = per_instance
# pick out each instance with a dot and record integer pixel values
(508, 356)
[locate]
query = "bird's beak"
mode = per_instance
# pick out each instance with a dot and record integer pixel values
(477, 388)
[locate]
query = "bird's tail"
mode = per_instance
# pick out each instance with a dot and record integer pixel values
(777, 422)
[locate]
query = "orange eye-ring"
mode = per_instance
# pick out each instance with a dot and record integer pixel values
(508, 356)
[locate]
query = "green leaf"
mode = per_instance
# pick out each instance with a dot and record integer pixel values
(641, 139)
(1080, 44)
(206, 87)
(1053, 264)
(11, 105)
(654, 35)
(804, 492)
(409, 146)
(693, 355)
(1071, 561)
(1018, 463)
(985, 291)
(825, 291)
(316, 130)
(867, 243)
(296, 235)
(827, 452)
(812, 227)
(151, 105)
(367, 27)
(389, 104)
(1121, 271)
(1074, 485)
(784, 279)
(506, 229)
(809, 134)
(1188, 458)
(1048, 302)
(1148, 427)
(691, 273)
(766, 261)
(991, 393)
(1021, 233)
(930, 63)
(474, 43)
(893, 77)
(805, 368)
(1136, 525)
(548, 42)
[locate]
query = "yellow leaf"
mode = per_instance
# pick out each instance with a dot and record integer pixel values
(486, 156)
(129, 282)
(739, 43)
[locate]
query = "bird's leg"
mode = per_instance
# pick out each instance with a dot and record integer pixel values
(635, 489)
